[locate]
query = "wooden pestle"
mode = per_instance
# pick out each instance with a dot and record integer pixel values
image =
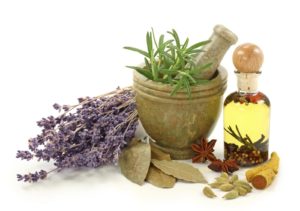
(221, 39)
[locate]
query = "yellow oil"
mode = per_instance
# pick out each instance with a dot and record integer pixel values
(246, 128)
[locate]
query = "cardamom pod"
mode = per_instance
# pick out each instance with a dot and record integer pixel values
(208, 192)
(216, 184)
(242, 191)
(222, 180)
(224, 175)
(243, 184)
(231, 195)
(234, 178)
(226, 187)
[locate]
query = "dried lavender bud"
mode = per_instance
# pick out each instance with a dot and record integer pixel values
(90, 134)
(24, 155)
(57, 107)
(66, 107)
(32, 177)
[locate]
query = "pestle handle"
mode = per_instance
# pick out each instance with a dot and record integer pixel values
(248, 58)
(221, 39)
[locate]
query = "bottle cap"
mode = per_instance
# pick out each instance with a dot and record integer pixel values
(248, 58)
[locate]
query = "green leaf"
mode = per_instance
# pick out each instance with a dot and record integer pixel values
(188, 76)
(142, 71)
(185, 43)
(137, 50)
(172, 50)
(200, 69)
(177, 87)
(187, 86)
(147, 63)
(180, 62)
(149, 43)
(161, 40)
(154, 37)
(176, 37)
(162, 47)
(195, 51)
(197, 45)
(153, 67)
(168, 58)
(166, 54)
(162, 80)
(167, 71)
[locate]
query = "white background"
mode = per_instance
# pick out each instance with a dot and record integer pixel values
(56, 51)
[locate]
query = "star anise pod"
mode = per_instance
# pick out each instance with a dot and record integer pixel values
(204, 151)
(227, 166)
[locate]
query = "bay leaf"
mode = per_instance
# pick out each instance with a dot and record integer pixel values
(159, 179)
(159, 154)
(180, 170)
(134, 162)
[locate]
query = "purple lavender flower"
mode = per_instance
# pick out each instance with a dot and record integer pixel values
(24, 155)
(92, 135)
(57, 107)
(32, 177)
(66, 107)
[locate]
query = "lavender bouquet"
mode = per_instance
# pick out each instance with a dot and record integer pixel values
(89, 134)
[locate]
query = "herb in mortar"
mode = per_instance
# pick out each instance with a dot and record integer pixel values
(170, 61)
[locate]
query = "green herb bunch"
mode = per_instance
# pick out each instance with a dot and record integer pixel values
(170, 61)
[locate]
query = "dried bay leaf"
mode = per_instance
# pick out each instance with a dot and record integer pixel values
(159, 154)
(159, 179)
(180, 170)
(134, 162)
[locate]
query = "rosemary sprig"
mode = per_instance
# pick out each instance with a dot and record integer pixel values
(170, 61)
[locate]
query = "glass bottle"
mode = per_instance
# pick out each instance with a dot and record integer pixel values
(247, 111)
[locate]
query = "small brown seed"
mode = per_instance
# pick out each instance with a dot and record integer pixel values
(208, 192)
(231, 195)
(226, 187)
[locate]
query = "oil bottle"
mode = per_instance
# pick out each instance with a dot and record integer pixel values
(247, 111)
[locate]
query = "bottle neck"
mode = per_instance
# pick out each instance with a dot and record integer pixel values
(247, 82)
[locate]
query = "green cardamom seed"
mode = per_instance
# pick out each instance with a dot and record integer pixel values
(216, 184)
(224, 175)
(243, 184)
(231, 195)
(234, 178)
(222, 180)
(208, 192)
(226, 187)
(242, 191)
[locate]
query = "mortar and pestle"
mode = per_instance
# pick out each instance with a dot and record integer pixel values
(176, 122)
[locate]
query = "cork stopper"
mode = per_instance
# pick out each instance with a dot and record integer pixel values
(247, 59)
